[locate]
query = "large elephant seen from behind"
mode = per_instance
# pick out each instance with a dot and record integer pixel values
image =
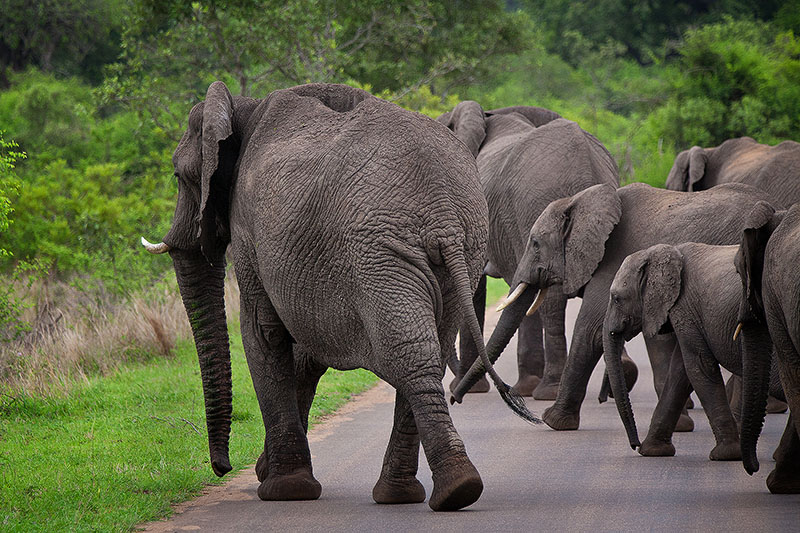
(774, 169)
(358, 233)
(768, 262)
(527, 157)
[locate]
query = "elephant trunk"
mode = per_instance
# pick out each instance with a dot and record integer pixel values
(506, 327)
(756, 359)
(202, 290)
(612, 353)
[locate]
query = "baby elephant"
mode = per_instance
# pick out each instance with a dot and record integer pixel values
(692, 289)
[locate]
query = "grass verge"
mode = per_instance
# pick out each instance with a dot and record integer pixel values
(121, 449)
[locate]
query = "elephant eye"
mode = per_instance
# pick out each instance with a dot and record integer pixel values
(534, 244)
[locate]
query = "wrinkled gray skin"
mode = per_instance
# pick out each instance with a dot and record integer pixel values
(694, 290)
(527, 157)
(358, 232)
(768, 262)
(581, 241)
(773, 169)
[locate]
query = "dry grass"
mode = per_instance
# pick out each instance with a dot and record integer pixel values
(76, 335)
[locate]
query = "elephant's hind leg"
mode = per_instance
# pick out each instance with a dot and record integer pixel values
(456, 482)
(398, 482)
(267, 344)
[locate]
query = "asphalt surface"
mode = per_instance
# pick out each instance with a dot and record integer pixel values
(535, 479)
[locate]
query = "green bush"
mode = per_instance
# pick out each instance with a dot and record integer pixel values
(93, 185)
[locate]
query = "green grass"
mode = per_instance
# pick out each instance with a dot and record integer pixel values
(495, 289)
(122, 449)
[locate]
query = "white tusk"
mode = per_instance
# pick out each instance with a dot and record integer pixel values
(537, 302)
(159, 248)
(738, 330)
(511, 298)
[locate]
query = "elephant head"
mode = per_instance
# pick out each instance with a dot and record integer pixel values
(468, 121)
(688, 169)
(204, 166)
(644, 290)
(756, 362)
(565, 245)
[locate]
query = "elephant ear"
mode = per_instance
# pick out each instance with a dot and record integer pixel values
(219, 158)
(759, 225)
(689, 168)
(468, 122)
(697, 167)
(589, 218)
(661, 285)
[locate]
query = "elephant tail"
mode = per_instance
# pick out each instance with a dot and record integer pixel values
(456, 265)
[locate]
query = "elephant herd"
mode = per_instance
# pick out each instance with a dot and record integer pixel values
(361, 235)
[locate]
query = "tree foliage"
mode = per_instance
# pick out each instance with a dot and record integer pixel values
(257, 47)
(72, 37)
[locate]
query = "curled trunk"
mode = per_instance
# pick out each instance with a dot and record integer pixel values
(612, 353)
(202, 290)
(506, 327)
(756, 359)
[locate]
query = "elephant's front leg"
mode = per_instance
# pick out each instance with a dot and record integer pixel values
(268, 349)
(785, 478)
(530, 355)
(398, 482)
(308, 373)
(584, 353)
(671, 402)
(660, 350)
(553, 312)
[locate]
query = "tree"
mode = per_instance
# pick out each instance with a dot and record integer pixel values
(65, 36)
(9, 184)
(172, 50)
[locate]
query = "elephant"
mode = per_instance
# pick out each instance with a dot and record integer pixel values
(741, 160)
(692, 289)
(527, 157)
(358, 234)
(580, 241)
(770, 309)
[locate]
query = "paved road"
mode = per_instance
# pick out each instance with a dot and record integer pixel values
(535, 479)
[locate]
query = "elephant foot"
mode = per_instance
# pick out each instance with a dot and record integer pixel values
(299, 485)
(481, 386)
(560, 419)
(262, 467)
(726, 451)
(525, 384)
(781, 482)
(775, 405)
(690, 403)
(455, 487)
(685, 424)
(656, 448)
(405, 490)
(546, 390)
